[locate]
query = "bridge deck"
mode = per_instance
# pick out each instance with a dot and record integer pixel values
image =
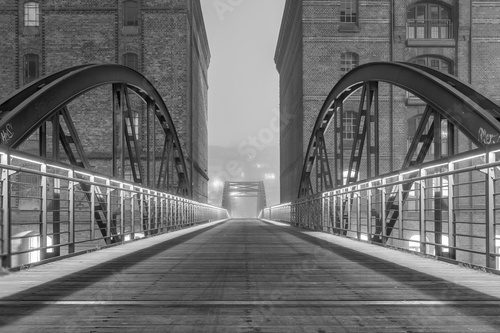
(250, 276)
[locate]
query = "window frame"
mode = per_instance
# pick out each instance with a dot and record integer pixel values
(126, 61)
(31, 14)
(349, 119)
(27, 60)
(348, 61)
(127, 22)
(351, 17)
(419, 24)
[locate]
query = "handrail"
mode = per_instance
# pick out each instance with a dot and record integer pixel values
(57, 223)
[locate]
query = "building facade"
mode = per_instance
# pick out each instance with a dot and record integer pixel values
(320, 41)
(164, 40)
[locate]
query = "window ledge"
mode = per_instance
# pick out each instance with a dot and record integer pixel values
(130, 30)
(431, 42)
(348, 27)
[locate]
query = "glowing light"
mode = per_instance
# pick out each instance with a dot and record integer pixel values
(435, 166)
(469, 158)
(27, 160)
(414, 243)
(445, 241)
(50, 243)
(363, 237)
(270, 176)
(217, 183)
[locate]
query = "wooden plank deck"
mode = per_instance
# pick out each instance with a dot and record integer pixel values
(250, 276)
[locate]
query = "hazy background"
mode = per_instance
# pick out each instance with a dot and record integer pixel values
(243, 94)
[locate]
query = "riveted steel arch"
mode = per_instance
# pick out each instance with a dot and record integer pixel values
(45, 103)
(27, 109)
(466, 109)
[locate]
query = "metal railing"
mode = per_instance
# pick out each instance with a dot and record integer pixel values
(52, 210)
(429, 29)
(448, 209)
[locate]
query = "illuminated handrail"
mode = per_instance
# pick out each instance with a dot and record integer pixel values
(58, 217)
(446, 208)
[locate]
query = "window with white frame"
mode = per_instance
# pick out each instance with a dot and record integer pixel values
(348, 61)
(31, 14)
(349, 125)
(349, 11)
(429, 21)
(130, 13)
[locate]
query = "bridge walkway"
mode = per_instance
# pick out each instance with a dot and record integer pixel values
(249, 276)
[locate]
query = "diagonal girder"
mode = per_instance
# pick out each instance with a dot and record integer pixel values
(74, 151)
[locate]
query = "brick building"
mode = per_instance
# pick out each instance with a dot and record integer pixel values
(322, 40)
(163, 39)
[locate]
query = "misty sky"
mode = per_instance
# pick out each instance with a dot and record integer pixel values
(243, 82)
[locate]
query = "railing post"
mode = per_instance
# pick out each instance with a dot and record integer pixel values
(422, 228)
(157, 225)
(358, 214)
(92, 208)
(71, 212)
(369, 213)
(122, 211)
(108, 210)
(43, 207)
(451, 214)
(148, 195)
(6, 243)
(334, 222)
(341, 213)
(143, 225)
(162, 212)
(490, 213)
(132, 213)
(400, 206)
(349, 215)
(383, 213)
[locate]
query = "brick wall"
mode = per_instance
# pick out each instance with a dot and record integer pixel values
(289, 64)
(74, 32)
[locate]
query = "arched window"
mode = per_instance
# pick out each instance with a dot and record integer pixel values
(131, 60)
(130, 13)
(31, 67)
(349, 125)
(31, 14)
(434, 62)
(348, 61)
(348, 11)
(429, 21)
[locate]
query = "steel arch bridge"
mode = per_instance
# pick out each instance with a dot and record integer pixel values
(55, 116)
(446, 99)
(45, 103)
(441, 196)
